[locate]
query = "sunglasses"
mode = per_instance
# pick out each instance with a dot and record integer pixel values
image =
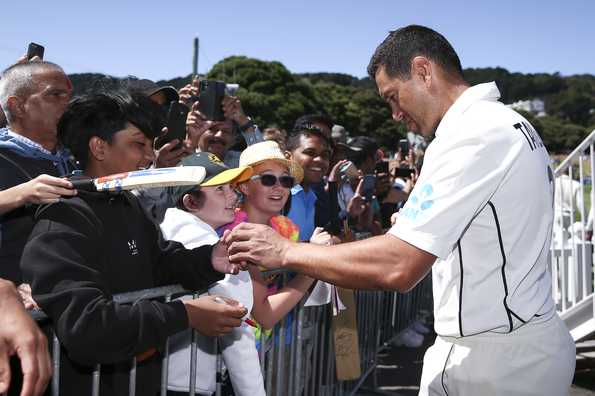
(270, 180)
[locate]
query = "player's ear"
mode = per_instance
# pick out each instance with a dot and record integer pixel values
(421, 68)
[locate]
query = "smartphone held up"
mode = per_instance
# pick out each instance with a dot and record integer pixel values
(369, 186)
(404, 146)
(34, 50)
(176, 125)
(210, 99)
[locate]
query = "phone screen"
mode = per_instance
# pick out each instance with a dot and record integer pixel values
(403, 172)
(382, 167)
(35, 49)
(176, 125)
(404, 146)
(369, 186)
(211, 99)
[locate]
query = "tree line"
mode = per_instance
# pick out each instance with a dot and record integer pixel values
(274, 96)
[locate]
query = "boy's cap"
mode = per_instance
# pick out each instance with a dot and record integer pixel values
(216, 172)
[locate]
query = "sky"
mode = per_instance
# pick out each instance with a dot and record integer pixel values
(153, 39)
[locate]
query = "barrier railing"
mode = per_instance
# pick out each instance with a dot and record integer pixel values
(571, 249)
(306, 366)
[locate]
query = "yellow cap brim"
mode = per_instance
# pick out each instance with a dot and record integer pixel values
(233, 175)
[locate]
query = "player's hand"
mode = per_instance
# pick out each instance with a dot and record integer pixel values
(20, 335)
(213, 318)
(44, 189)
(256, 244)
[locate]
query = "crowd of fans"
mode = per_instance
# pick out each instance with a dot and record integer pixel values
(69, 251)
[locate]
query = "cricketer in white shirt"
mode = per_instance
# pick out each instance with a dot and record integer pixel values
(483, 205)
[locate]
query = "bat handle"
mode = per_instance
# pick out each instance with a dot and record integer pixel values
(83, 183)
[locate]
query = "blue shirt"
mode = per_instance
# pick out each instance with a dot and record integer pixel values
(303, 206)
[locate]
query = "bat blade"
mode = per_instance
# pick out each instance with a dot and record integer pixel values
(151, 178)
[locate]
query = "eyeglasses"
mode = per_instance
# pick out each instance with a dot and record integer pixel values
(270, 180)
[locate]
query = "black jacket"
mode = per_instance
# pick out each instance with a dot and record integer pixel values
(82, 251)
(16, 225)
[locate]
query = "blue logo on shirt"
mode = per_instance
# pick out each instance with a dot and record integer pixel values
(418, 203)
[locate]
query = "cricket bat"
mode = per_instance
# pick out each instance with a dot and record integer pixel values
(149, 178)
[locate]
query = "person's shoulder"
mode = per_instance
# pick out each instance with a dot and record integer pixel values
(17, 167)
(74, 212)
(493, 124)
(490, 115)
(176, 219)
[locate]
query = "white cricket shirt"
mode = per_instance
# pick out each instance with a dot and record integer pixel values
(483, 204)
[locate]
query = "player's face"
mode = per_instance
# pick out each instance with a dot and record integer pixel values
(406, 100)
(129, 150)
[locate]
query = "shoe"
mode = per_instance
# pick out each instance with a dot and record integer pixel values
(409, 338)
(419, 327)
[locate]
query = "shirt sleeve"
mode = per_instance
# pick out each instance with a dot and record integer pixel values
(456, 182)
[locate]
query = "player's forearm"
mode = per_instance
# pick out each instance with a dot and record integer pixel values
(374, 263)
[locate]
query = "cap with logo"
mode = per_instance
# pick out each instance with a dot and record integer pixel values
(217, 172)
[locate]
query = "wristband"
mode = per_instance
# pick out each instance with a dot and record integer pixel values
(246, 126)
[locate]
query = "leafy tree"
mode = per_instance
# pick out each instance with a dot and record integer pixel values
(274, 96)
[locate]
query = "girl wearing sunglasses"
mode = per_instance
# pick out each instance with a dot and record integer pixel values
(265, 195)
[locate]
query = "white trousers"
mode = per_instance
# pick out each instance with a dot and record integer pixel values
(536, 359)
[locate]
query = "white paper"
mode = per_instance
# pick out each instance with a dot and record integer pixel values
(324, 293)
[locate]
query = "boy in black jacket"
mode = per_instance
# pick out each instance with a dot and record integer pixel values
(85, 249)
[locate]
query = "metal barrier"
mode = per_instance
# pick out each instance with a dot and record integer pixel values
(571, 249)
(306, 366)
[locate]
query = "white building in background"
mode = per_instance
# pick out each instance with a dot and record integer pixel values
(535, 106)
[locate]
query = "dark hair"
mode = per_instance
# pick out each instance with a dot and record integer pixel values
(365, 146)
(305, 121)
(293, 140)
(102, 115)
(397, 51)
(198, 195)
